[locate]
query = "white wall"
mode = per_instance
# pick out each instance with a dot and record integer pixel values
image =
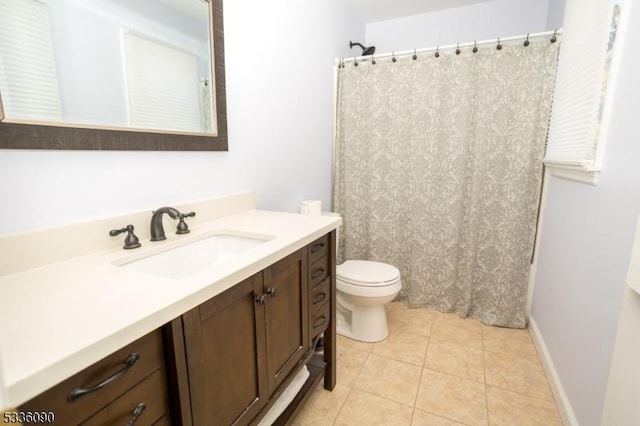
(555, 14)
(487, 20)
(586, 238)
(279, 59)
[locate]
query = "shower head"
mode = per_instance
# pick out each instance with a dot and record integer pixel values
(366, 51)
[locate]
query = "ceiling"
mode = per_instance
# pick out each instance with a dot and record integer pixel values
(381, 10)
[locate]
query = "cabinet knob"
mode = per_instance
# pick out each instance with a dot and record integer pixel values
(262, 300)
(272, 291)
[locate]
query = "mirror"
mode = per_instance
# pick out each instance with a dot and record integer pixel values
(112, 74)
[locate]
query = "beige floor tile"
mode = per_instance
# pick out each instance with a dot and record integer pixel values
(389, 379)
(401, 346)
(350, 363)
(451, 328)
(363, 408)
(509, 346)
(408, 320)
(452, 397)
(345, 342)
(322, 407)
(519, 373)
(509, 408)
(508, 340)
(519, 334)
(422, 418)
(454, 320)
(454, 358)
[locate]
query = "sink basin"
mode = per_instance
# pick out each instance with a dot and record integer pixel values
(190, 258)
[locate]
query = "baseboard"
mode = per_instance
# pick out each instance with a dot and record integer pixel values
(564, 407)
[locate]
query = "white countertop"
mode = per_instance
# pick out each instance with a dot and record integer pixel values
(60, 318)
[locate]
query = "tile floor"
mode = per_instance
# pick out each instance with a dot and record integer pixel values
(436, 369)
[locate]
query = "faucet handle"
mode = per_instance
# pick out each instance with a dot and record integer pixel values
(130, 241)
(182, 227)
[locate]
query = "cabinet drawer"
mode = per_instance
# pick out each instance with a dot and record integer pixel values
(318, 271)
(318, 248)
(319, 321)
(319, 294)
(98, 385)
(145, 404)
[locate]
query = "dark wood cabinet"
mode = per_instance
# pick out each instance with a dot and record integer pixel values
(110, 391)
(245, 345)
(224, 362)
(286, 317)
(225, 351)
(242, 344)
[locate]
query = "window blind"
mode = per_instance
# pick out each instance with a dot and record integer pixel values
(163, 87)
(580, 84)
(28, 81)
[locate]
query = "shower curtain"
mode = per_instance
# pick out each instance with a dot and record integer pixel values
(438, 165)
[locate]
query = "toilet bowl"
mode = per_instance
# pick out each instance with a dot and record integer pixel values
(363, 288)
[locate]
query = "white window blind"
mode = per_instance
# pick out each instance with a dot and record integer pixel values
(580, 84)
(28, 81)
(163, 86)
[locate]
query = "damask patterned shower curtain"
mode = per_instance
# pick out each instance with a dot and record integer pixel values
(438, 165)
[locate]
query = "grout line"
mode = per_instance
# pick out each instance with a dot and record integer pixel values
(342, 405)
(484, 370)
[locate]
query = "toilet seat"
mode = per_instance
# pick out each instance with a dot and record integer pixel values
(367, 273)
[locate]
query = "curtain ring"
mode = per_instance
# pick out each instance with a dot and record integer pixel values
(553, 37)
(393, 57)
(475, 47)
(499, 46)
(437, 54)
(526, 42)
(414, 54)
(458, 49)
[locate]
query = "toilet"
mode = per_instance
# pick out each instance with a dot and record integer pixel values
(363, 288)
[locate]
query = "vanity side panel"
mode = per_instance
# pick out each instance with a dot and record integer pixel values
(330, 353)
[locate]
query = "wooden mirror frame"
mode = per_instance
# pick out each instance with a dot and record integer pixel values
(37, 136)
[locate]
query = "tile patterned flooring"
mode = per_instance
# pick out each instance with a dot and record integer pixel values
(436, 369)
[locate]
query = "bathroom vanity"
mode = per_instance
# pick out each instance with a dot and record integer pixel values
(216, 346)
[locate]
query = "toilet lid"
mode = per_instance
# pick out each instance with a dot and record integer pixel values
(367, 273)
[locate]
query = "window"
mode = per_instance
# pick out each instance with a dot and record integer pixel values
(575, 144)
(169, 99)
(28, 80)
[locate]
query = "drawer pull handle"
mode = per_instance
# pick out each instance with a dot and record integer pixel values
(320, 284)
(319, 298)
(78, 392)
(137, 412)
(317, 273)
(318, 247)
(321, 321)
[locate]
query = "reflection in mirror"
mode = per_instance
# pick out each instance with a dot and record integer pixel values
(143, 64)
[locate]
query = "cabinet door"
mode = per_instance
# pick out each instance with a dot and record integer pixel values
(224, 340)
(286, 316)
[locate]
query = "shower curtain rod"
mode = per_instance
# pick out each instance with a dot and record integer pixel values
(451, 46)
